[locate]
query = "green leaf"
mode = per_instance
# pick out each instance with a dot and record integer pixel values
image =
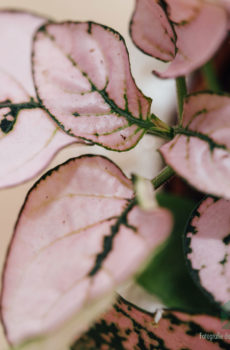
(167, 275)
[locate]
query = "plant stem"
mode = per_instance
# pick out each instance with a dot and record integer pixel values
(162, 177)
(181, 93)
(210, 77)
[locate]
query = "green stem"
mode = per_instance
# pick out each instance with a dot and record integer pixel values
(210, 77)
(162, 177)
(181, 94)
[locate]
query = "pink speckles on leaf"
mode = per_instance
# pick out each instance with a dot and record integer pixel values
(127, 327)
(78, 237)
(186, 33)
(207, 245)
(200, 150)
(82, 75)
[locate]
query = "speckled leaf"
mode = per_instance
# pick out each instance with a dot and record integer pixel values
(186, 33)
(82, 76)
(28, 137)
(200, 151)
(79, 235)
(126, 327)
(207, 247)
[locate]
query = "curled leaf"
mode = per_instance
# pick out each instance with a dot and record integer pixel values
(207, 248)
(128, 327)
(78, 237)
(82, 76)
(185, 33)
(28, 138)
(200, 150)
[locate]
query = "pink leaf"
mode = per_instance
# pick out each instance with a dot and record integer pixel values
(17, 29)
(29, 139)
(207, 246)
(199, 27)
(77, 238)
(128, 327)
(151, 31)
(82, 75)
(200, 151)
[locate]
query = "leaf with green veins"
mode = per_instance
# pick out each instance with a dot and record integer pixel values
(167, 275)
(200, 151)
(78, 237)
(82, 77)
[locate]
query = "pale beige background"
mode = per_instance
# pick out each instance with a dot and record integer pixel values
(115, 13)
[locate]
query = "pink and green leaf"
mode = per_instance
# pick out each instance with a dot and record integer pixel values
(207, 248)
(126, 327)
(82, 76)
(78, 237)
(200, 150)
(186, 33)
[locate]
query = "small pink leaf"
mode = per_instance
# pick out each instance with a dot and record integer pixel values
(151, 31)
(208, 250)
(82, 76)
(196, 29)
(77, 238)
(127, 327)
(200, 151)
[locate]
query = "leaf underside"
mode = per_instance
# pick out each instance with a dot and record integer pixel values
(82, 76)
(69, 248)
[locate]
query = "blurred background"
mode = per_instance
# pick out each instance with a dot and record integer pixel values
(144, 159)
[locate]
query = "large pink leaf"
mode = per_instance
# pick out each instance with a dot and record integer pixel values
(125, 327)
(82, 76)
(78, 237)
(199, 27)
(200, 151)
(28, 137)
(207, 246)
